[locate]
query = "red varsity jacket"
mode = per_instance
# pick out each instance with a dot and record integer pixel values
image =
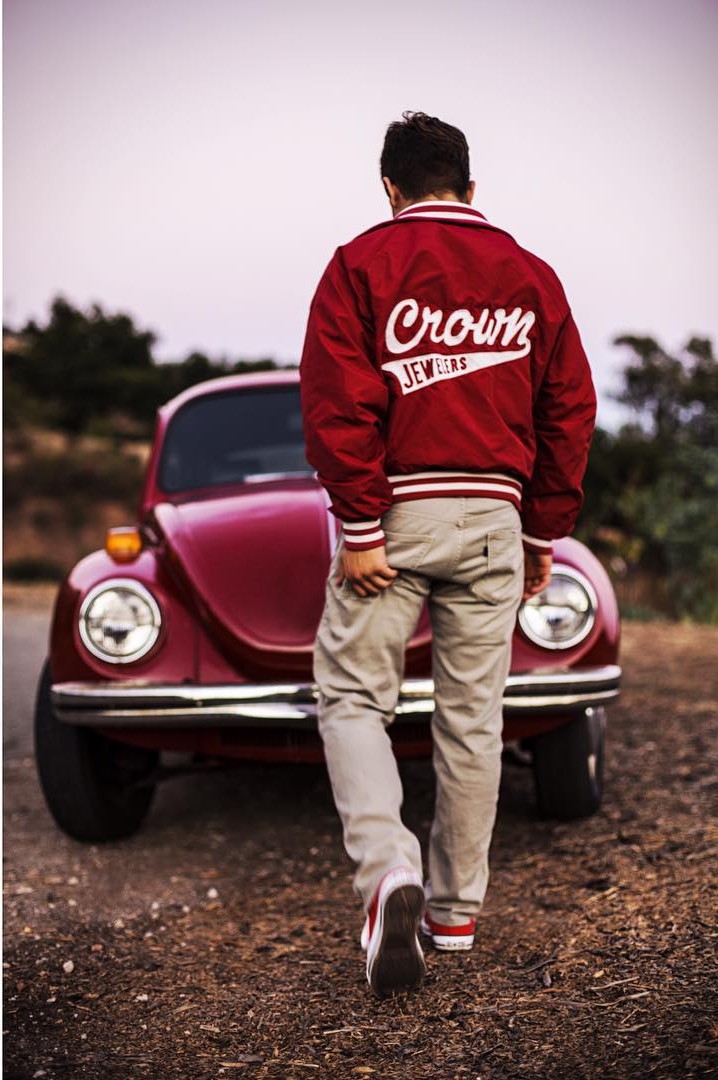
(441, 358)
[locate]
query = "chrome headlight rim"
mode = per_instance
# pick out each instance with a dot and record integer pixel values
(564, 570)
(131, 585)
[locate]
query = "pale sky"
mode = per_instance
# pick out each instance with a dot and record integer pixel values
(196, 164)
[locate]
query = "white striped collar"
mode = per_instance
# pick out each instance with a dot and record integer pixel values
(443, 210)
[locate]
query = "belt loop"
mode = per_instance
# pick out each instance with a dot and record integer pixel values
(462, 512)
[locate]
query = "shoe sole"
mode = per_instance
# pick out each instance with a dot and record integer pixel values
(452, 944)
(398, 963)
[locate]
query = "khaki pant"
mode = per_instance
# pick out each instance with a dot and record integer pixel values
(465, 556)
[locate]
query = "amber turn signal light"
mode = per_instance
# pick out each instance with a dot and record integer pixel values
(123, 544)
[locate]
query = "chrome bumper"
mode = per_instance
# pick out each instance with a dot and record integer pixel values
(140, 704)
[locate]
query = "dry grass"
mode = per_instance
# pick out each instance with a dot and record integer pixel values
(595, 957)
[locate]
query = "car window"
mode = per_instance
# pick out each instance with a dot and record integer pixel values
(230, 437)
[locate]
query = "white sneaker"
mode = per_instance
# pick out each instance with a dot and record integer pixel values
(394, 958)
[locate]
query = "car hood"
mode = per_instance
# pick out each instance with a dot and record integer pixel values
(255, 564)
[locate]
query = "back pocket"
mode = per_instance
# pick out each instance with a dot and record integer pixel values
(502, 578)
(406, 551)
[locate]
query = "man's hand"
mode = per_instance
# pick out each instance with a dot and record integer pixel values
(368, 571)
(537, 573)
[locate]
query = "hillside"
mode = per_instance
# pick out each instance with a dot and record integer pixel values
(61, 494)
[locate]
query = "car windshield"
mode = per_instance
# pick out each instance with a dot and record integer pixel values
(232, 437)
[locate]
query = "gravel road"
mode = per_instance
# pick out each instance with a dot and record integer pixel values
(222, 939)
(26, 627)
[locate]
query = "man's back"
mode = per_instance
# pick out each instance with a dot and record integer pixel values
(459, 326)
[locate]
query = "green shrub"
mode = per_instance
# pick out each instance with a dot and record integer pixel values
(34, 568)
(74, 475)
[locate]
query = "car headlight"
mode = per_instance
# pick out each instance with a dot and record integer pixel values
(563, 614)
(119, 621)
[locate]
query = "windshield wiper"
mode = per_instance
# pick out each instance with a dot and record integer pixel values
(257, 478)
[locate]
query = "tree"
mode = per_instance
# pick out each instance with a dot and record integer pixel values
(78, 363)
(95, 371)
(677, 394)
(653, 487)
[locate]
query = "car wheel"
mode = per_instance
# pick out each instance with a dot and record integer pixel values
(568, 767)
(95, 788)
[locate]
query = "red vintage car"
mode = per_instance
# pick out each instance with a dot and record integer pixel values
(193, 629)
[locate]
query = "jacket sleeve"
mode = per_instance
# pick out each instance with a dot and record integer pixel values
(564, 419)
(344, 406)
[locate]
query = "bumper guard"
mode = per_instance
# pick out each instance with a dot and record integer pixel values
(132, 703)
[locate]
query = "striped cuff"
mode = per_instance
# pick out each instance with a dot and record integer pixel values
(536, 546)
(362, 535)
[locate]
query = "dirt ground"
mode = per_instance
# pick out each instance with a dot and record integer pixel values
(223, 939)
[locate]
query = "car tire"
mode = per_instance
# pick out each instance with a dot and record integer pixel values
(568, 767)
(96, 789)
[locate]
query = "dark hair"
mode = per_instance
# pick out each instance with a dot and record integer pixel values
(424, 156)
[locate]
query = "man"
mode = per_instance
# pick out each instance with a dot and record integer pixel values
(448, 409)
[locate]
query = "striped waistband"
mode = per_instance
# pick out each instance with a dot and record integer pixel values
(442, 483)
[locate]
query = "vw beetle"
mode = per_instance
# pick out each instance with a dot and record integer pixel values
(193, 629)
